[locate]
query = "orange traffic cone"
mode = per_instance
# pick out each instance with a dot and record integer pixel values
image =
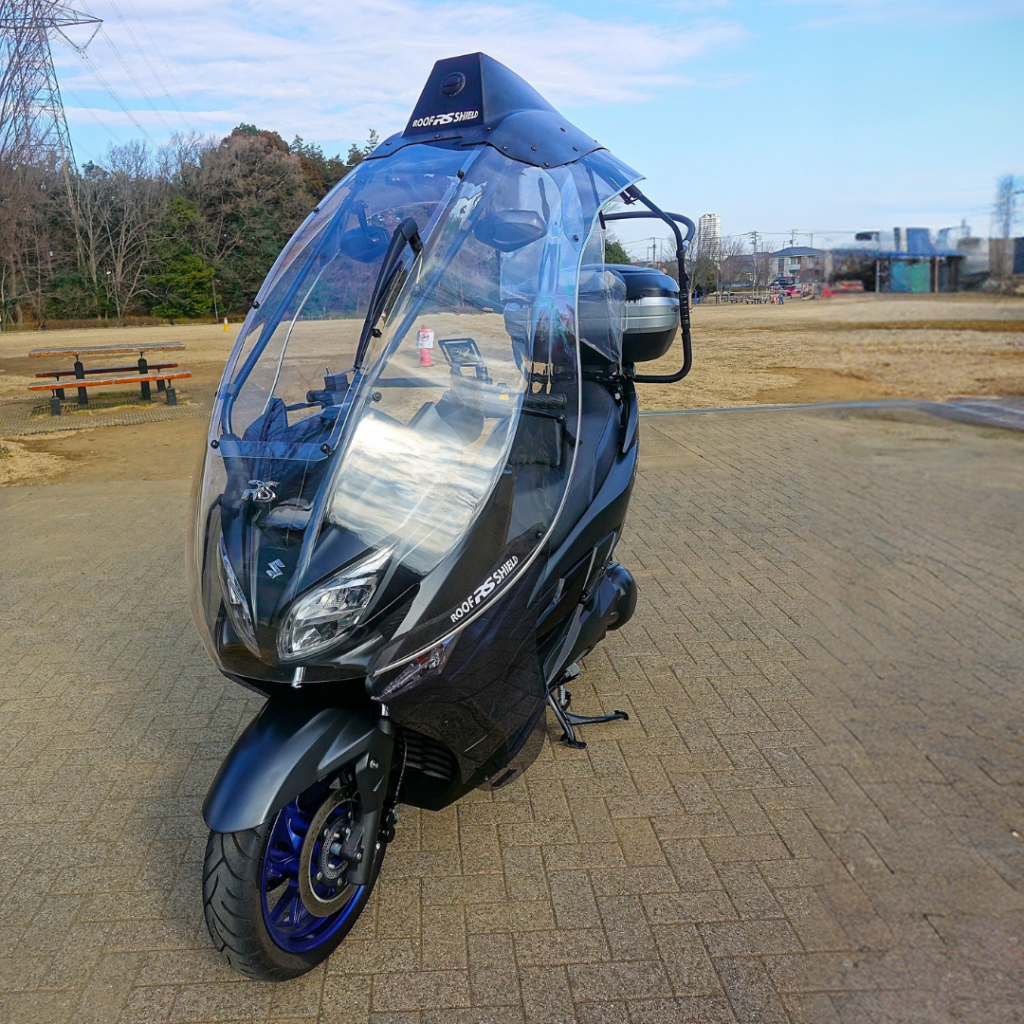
(425, 342)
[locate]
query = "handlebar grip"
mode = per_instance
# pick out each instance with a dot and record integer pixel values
(544, 403)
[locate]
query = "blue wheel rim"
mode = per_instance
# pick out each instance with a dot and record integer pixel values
(290, 924)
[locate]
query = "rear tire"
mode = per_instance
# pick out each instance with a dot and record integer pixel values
(235, 902)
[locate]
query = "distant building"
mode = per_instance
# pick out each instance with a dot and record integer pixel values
(901, 260)
(976, 267)
(710, 236)
(798, 264)
(1006, 257)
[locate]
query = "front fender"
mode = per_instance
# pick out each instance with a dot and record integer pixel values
(286, 748)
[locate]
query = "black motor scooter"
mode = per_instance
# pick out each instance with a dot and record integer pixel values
(417, 470)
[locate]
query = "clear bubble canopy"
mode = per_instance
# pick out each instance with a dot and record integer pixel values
(396, 427)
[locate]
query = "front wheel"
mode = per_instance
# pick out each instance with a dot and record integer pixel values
(276, 898)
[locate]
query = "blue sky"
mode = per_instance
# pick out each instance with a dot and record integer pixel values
(776, 114)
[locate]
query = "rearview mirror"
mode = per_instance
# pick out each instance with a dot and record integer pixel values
(364, 245)
(508, 230)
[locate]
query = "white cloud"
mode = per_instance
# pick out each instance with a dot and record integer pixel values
(841, 12)
(329, 71)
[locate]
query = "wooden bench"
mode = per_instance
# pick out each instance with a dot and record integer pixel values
(108, 369)
(79, 372)
(82, 384)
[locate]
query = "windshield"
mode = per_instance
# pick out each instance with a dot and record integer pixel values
(444, 448)
(307, 317)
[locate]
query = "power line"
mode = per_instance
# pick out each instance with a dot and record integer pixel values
(131, 74)
(163, 60)
(92, 113)
(95, 72)
(98, 76)
(149, 64)
(32, 118)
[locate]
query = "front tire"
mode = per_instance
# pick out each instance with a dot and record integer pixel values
(255, 894)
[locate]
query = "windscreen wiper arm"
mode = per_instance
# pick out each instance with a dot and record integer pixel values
(407, 233)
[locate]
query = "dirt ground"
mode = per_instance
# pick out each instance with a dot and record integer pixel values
(149, 451)
(846, 348)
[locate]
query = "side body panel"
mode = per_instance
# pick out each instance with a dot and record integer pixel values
(489, 702)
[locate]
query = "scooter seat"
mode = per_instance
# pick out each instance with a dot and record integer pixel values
(540, 478)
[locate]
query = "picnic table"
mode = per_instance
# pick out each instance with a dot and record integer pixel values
(95, 350)
(147, 372)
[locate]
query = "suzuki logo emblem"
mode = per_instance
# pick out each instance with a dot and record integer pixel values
(260, 490)
(275, 569)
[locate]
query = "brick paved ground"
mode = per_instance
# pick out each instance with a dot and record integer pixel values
(812, 815)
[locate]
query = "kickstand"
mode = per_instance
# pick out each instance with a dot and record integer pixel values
(559, 699)
(568, 732)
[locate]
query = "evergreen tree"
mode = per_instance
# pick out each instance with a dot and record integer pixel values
(183, 287)
(614, 253)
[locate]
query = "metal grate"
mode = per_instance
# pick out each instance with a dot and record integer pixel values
(430, 757)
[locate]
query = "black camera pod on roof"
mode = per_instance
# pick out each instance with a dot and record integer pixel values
(474, 99)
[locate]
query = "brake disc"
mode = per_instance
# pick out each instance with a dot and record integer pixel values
(326, 855)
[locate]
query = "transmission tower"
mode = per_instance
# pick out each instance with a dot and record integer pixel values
(1004, 213)
(32, 121)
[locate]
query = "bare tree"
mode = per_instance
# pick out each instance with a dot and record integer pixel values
(762, 265)
(31, 200)
(15, 198)
(179, 160)
(249, 190)
(692, 257)
(129, 224)
(128, 234)
(94, 210)
(732, 263)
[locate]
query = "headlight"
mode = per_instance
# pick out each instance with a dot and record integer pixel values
(238, 607)
(332, 609)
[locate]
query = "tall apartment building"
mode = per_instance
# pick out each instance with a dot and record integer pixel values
(710, 243)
